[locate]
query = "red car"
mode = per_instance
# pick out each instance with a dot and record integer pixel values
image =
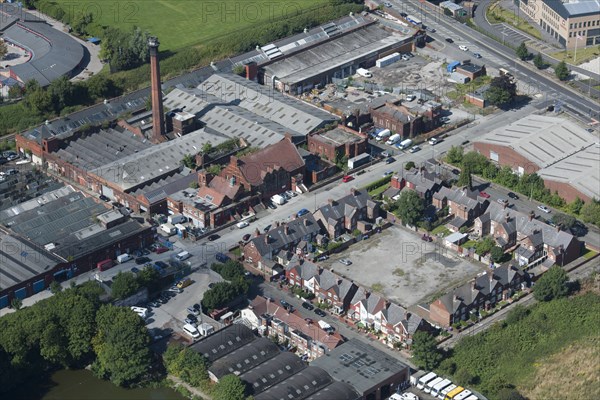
(484, 195)
(347, 178)
(160, 250)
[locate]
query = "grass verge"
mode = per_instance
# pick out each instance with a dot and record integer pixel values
(584, 54)
(496, 14)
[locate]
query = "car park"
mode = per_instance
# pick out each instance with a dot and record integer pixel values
(345, 261)
(463, 47)
(512, 196)
(307, 305)
(484, 195)
(414, 149)
(544, 209)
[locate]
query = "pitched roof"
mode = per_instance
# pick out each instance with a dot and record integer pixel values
(345, 206)
(244, 358)
(277, 238)
(373, 303)
(218, 189)
(305, 269)
(224, 341)
(282, 154)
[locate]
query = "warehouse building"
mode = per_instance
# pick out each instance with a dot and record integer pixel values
(243, 359)
(564, 154)
(337, 49)
(51, 53)
(373, 374)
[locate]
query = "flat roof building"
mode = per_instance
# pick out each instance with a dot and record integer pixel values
(371, 372)
(560, 151)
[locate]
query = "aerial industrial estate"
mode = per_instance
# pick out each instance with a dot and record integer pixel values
(375, 206)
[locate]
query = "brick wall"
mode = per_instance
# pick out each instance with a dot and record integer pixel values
(439, 314)
(506, 156)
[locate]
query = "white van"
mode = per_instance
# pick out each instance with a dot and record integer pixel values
(123, 258)
(191, 331)
(184, 255)
(141, 311)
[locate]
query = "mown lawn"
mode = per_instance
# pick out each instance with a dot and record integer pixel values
(584, 54)
(182, 23)
(495, 14)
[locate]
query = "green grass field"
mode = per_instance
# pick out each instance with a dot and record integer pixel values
(182, 23)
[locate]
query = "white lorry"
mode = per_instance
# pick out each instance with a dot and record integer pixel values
(393, 139)
(364, 73)
(278, 199)
(176, 219)
(383, 135)
(405, 144)
(168, 228)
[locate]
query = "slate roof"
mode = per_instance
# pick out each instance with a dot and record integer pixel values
(298, 386)
(484, 284)
(160, 190)
(346, 206)
(267, 374)
(463, 197)
(373, 303)
(278, 239)
(523, 226)
(422, 179)
(244, 358)
(305, 268)
(223, 342)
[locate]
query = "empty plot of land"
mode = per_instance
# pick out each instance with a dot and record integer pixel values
(403, 268)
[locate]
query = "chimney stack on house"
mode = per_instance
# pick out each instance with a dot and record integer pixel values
(507, 217)
(473, 285)
(158, 117)
(251, 70)
(256, 233)
(286, 229)
(331, 202)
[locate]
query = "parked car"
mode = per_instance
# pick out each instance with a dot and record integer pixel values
(405, 57)
(308, 320)
(463, 47)
(387, 173)
(213, 237)
(323, 257)
(211, 285)
(175, 289)
(271, 205)
(190, 322)
(476, 55)
(291, 193)
(484, 195)
(544, 209)
(302, 212)
(142, 260)
(502, 201)
(345, 261)
(246, 237)
(449, 40)
(266, 228)
(242, 224)
(347, 178)
(433, 141)
(192, 310)
(390, 160)
(307, 305)
(103, 198)
(320, 312)
(512, 196)
(414, 149)
(284, 303)
(192, 317)
(161, 249)
(135, 270)
(403, 14)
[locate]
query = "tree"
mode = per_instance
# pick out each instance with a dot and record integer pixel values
(189, 161)
(239, 70)
(576, 205)
(590, 212)
(124, 285)
(509, 394)
(229, 270)
(230, 387)
(552, 285)
(61, 93)
(214, 169)
(455, 155)
(518, 313)
(502, 91)
(465, 178)
(425, 351)
(121, 346)
(476, 161)
(185, 363)
(16, 303)
(55, 287)
(496, 253)
(81, 22)
(149, 278)
(193, 185)
(410, 207)
(484, 246)
(564, 220)
(463, 376)
(522, 51)
(409, 165)
(3, 49)
(101, 87)
(539, 62)
(206, 148)
(561, 71)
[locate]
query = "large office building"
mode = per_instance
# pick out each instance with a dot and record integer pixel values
(573, 23)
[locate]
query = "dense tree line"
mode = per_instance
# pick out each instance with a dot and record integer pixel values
(126, 283)
(229, 270)
(531, 185)
(223, 293)
(71, 330)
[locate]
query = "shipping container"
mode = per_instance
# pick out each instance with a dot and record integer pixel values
(359, 160)
(104, 265)
(387, 60)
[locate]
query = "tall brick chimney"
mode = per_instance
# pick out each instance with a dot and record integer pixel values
(158, 117)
